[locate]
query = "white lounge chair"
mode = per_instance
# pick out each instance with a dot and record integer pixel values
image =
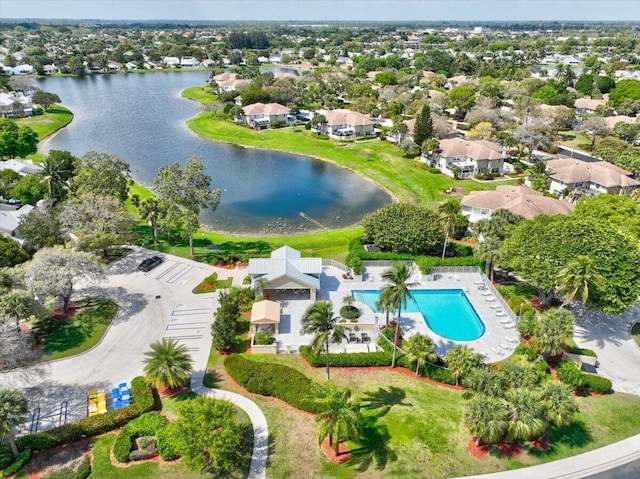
(490, 298)
(509, 325)
(504, 346)
(500, 313)
(495, 306)
(478, 281)
(497, 351)
(505, 320)
(485, 292)
(511, 340)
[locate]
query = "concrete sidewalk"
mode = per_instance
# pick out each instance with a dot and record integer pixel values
(576, 467)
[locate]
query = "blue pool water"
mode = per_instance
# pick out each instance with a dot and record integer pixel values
(447, 312)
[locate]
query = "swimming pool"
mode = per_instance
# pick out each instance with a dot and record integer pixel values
(447, 312)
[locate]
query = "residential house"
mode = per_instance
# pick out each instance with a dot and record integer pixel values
(263, 115)
(189, 62)
(587, 106)
(50, 69)
(10, 217)
(461, 158)
(24, 69)
(15, 103)
(347, 123)
(574, 178)
(228, 81)
(171, 62)
(286, 272)
(612, 121)
(524, 201)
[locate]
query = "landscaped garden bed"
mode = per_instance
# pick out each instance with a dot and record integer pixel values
(211, 283)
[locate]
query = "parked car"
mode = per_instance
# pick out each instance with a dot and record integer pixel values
(150, 263)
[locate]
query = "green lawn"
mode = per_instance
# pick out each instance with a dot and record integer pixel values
(212, 283)
(63, 338)
(202, 94)
(49, 122)
(577, 141)
(378, 160)
(414, 429)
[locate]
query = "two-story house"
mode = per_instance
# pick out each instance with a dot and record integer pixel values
(461, 158)
(347, 124)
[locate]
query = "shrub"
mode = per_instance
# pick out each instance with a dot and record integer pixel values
(165, 445)
(123, 445)
(264, 338)
(529, 352)
(146, 425)
(569, 373)
(18, 464)
(541, 369)
(527, 325)
(596, 384)
(276, 380)
(349, 312)
(144, 401)
(6, 456)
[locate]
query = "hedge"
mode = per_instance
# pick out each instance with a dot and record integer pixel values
(569, 373)
(583, 352)
(529, 352)
(346, 359)
(6, 456)
(19, 463)
(145, 401)
(596, 384)
(384, 358)
(276, 380)
(165, 445)
(123, 445)
(148, 424)
(349, 312)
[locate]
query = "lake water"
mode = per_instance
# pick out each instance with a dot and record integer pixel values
(141, 119)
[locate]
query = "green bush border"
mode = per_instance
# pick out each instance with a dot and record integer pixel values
(145, 400)
(18, 464)
(276, 380)
(147, 424)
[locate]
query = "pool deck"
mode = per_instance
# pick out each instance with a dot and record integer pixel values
(498, 341)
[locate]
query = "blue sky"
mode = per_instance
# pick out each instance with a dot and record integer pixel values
(318, 10)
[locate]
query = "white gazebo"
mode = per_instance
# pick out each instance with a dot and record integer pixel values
(265, 312)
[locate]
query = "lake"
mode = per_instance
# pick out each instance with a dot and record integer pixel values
(141, 119)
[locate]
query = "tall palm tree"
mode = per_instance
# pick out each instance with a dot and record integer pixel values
(57, 169)
(489, 251)
(319, 320)
(449, 210)
(385, 304)
(167, 365)
(526, 412)
(399, 294)
(150, 209)
(419, 350)
(552, 331)
(558, 399)
(486, 418)
(339, 418)
(461, 360)
(578, 277)
(13, 408)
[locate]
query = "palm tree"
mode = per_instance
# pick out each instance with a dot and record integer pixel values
(385, 304)
(558, 399)
(13, 408)
(486, 418)
(461, 360)
(318, 120)
(399, 295)
(57, 169)
(489, 251)
(150, 209)
(552, 331)
(526, 412)
(419, 350)
(449, 211)
(319, 320)
(168, 364)
(578, 277)
(483, 382)
(338, 417)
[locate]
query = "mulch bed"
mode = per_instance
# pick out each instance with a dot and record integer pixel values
(343, 452)
(44, 463)
(509, 449)
(540, 444)
(479, 452)
(62, 314)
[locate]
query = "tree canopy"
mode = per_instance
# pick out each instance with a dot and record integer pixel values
(423, 129)
(102, 174)
(539, 248)
(16, 141)
(404, 228)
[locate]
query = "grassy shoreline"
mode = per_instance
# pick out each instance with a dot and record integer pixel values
(45, 125)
